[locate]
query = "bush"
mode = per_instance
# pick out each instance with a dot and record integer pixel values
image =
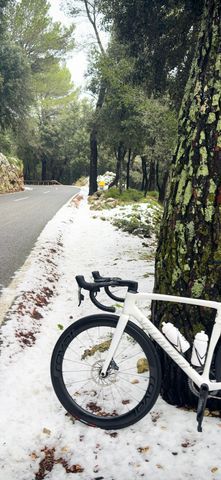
(133, 224)
(16, 162)
(127, 196)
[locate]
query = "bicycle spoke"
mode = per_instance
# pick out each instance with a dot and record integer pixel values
(96, 399)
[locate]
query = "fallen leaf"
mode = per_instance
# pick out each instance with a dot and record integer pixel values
(143, 449)
(75, 469)
(34, 456)
(65, 449)
(214, 469)
(35, 314)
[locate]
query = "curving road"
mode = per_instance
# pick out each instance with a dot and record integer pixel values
(23, 216)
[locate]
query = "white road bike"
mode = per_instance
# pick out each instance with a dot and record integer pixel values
(105, 369)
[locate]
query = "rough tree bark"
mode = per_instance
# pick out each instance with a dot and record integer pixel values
(161, 184)
(120, 154)
(144, 173)
(43, 169)
(152, 183)
(129, 158)
(188, 260)
(93, 142)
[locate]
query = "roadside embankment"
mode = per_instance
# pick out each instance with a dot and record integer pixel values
(11, 175)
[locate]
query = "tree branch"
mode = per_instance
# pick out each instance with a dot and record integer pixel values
(94, 23)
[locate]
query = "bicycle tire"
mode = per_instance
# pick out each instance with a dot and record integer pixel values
(130, 409)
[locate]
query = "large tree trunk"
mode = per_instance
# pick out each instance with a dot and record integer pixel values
(188, 260)
(120, 154)
(43, 169)
(144, 172)
(93, 142)
(152, 182)
(93, 161)
(93, 14)
(161, 184)
(128, 168)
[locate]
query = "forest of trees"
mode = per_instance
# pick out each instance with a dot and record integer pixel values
(153, 119)
(127, 126)
(136, 85)
(43, 120)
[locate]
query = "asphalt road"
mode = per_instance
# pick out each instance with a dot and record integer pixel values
(23, 216)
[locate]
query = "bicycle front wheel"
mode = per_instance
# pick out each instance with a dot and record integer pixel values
(132, 383)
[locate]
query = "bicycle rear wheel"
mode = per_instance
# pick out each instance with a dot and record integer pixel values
(131, 386)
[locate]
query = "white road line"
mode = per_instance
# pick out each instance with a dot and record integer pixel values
(19, 199)
(48, 191)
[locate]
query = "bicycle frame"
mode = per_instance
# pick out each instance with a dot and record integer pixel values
(131, 311)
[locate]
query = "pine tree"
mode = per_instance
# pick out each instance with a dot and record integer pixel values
(188, 261)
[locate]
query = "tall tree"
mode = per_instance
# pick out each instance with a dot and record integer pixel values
(15, 91)
(43, 44)
(65, 142)
(44, 41)
(90, 8)
(161, 36)
(3, 4)
(131, 123)
(188, 261)
(15, 84)
(53, 90)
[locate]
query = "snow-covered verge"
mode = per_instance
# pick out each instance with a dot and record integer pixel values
(38, 439)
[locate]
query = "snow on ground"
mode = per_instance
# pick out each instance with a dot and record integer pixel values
(38, 439)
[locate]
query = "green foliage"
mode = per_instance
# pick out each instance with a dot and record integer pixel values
(7, 142)
(62, 140)
(3, 5)
(52, 137)
(143, 125)
(161, 37)
(134, 225)
(126, 196)
(43, 40)
(15, 88)
(54, 90)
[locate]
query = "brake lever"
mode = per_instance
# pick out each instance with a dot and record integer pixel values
(80, 297)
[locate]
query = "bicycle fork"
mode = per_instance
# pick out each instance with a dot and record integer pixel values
(122, 322)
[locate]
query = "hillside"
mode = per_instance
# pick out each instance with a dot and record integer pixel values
(11, 175)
